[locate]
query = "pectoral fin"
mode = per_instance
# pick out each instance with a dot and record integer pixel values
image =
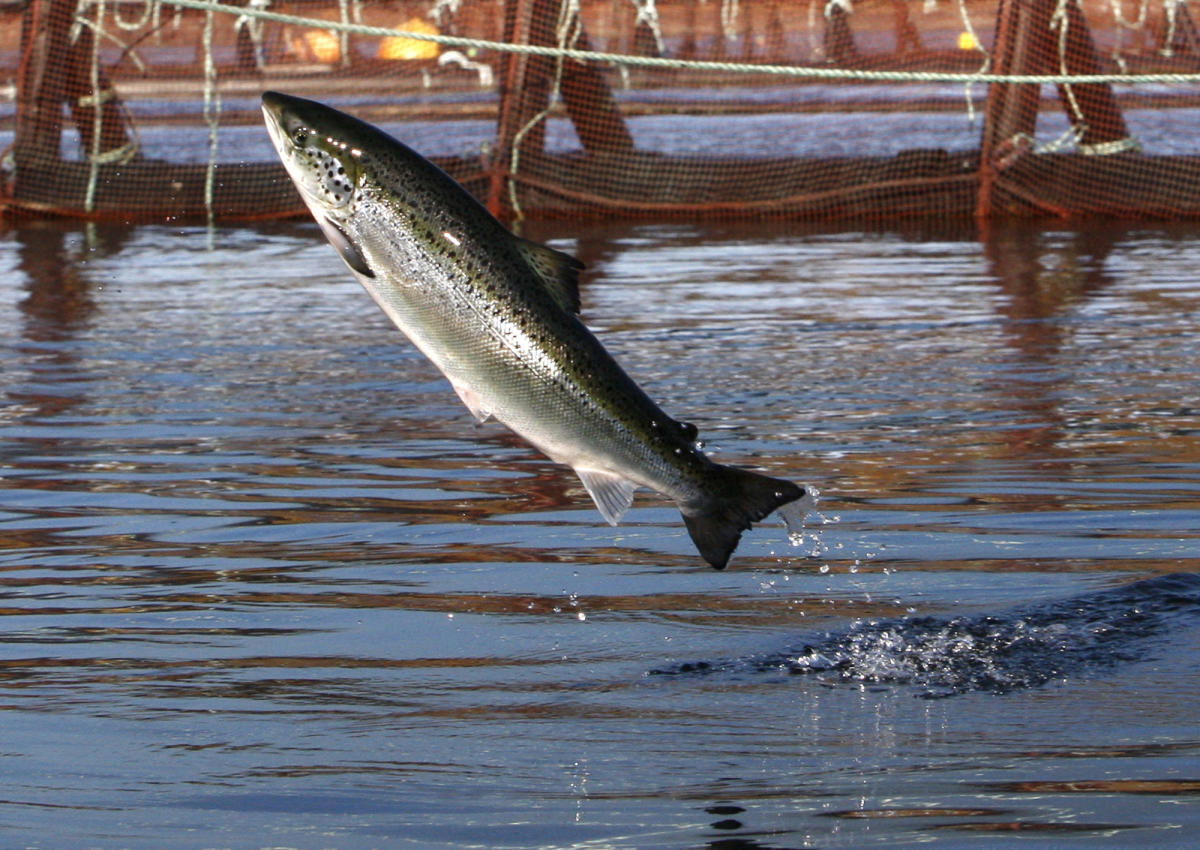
(349, 251)
(612, 494)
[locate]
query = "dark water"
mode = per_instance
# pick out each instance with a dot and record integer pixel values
(266, 585)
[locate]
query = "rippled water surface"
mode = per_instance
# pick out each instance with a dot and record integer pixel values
(265, 584)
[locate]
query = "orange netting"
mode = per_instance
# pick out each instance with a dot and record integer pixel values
(146, 110)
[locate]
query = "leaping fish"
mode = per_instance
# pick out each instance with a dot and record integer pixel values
(498, 315)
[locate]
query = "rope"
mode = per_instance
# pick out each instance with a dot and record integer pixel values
(212, 116)
(1120, 19)
(969, 27)
(89, 201)
(568, 31)
(98, 30)
(1079, 127)
(729, 15)
(148, 7)
(1125, 145)
(647, 13)
(445, 10)
(800, 71)
(1171, 8)
(1122, 24)
(1059, 20)
(254, 29)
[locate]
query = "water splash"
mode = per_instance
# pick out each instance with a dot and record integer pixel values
(796, 514)
(1027, 647)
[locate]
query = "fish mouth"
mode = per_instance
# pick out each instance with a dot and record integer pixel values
(275, 117)
(273, 101)
(273, 105)
(285, 114)
(279, 109)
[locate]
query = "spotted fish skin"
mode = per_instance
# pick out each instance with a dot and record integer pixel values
(498, 315)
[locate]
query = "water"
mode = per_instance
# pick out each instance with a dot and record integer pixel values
(265, 584)
(871, 133)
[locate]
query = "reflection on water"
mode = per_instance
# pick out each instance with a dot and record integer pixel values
(264, 583)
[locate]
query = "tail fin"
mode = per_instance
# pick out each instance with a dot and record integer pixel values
(736, 499)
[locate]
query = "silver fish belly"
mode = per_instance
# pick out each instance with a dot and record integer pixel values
(497, 315)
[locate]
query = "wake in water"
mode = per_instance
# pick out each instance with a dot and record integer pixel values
(995, 653)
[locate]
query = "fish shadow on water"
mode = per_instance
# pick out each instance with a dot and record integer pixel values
(1023, 648)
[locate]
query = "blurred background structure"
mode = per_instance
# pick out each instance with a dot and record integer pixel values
(141, 110)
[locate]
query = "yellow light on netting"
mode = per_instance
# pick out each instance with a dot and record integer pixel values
(318, 46)
(967, 41)
(403, 48)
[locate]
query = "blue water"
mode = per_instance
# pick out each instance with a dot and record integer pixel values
(265, 584)
(1163, 131)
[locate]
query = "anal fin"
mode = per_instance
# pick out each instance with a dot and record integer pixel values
(473, 401)
(612, 494)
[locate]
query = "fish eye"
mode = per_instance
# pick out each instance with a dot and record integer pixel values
(300, 136)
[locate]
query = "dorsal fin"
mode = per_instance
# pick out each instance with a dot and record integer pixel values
(559, 272)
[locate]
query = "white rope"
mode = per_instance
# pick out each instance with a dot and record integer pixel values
(148, 7)
(444, 10)
(212, 117)
(969, 27)
(1079, 126)
(342, 34)
(1119, 15)
(1125, 145)
(89, 201)
(568, 30)
(816, 44)
(1059, 21)
(1068, 138)
(833, 5)
(729, 16)
(1171, 7)
(799, 71)
(99, 32)
(647, 13)
(254, 29)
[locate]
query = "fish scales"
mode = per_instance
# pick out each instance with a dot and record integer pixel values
(565, 369)
(497, 315)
